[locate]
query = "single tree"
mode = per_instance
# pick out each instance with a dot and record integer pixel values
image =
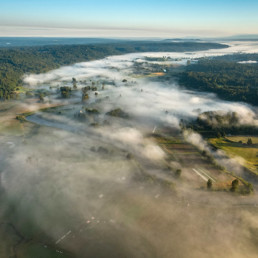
(178, 173)
(218, 135)
(74, 83)
(41, 97)
(234, 185)
(209, 184)
(85, 96)
(249, 141)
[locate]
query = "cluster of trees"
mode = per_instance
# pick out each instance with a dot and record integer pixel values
(249, 141)
(85, 94)
(218, 119)
(218, 124)
(246, 189)
(65, 91)
(227, 78)
(15, 62)
(237, 57)
(118, 112)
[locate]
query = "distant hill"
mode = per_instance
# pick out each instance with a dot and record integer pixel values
(246, 37)
(8, 42)
(182, 40)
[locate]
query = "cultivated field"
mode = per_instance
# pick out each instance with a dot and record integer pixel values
(196, 168)
(237, 147)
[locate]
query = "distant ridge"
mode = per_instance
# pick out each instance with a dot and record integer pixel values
(39, 41)
(245, 37)
(182, 40)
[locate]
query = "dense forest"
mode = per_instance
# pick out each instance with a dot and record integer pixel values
(225, 76)
(14, 62)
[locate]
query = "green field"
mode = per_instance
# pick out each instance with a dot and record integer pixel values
(243, 139)
(234, 148)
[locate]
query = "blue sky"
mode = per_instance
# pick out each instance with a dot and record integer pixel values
(132, 18)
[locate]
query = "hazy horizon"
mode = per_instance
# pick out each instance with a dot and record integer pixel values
(135, 19)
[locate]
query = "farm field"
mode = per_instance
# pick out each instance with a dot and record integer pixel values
(196, 168)
(236, 147)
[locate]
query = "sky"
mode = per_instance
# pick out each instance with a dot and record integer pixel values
(134, 18)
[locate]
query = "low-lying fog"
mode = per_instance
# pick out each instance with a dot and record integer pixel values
(74, 186)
